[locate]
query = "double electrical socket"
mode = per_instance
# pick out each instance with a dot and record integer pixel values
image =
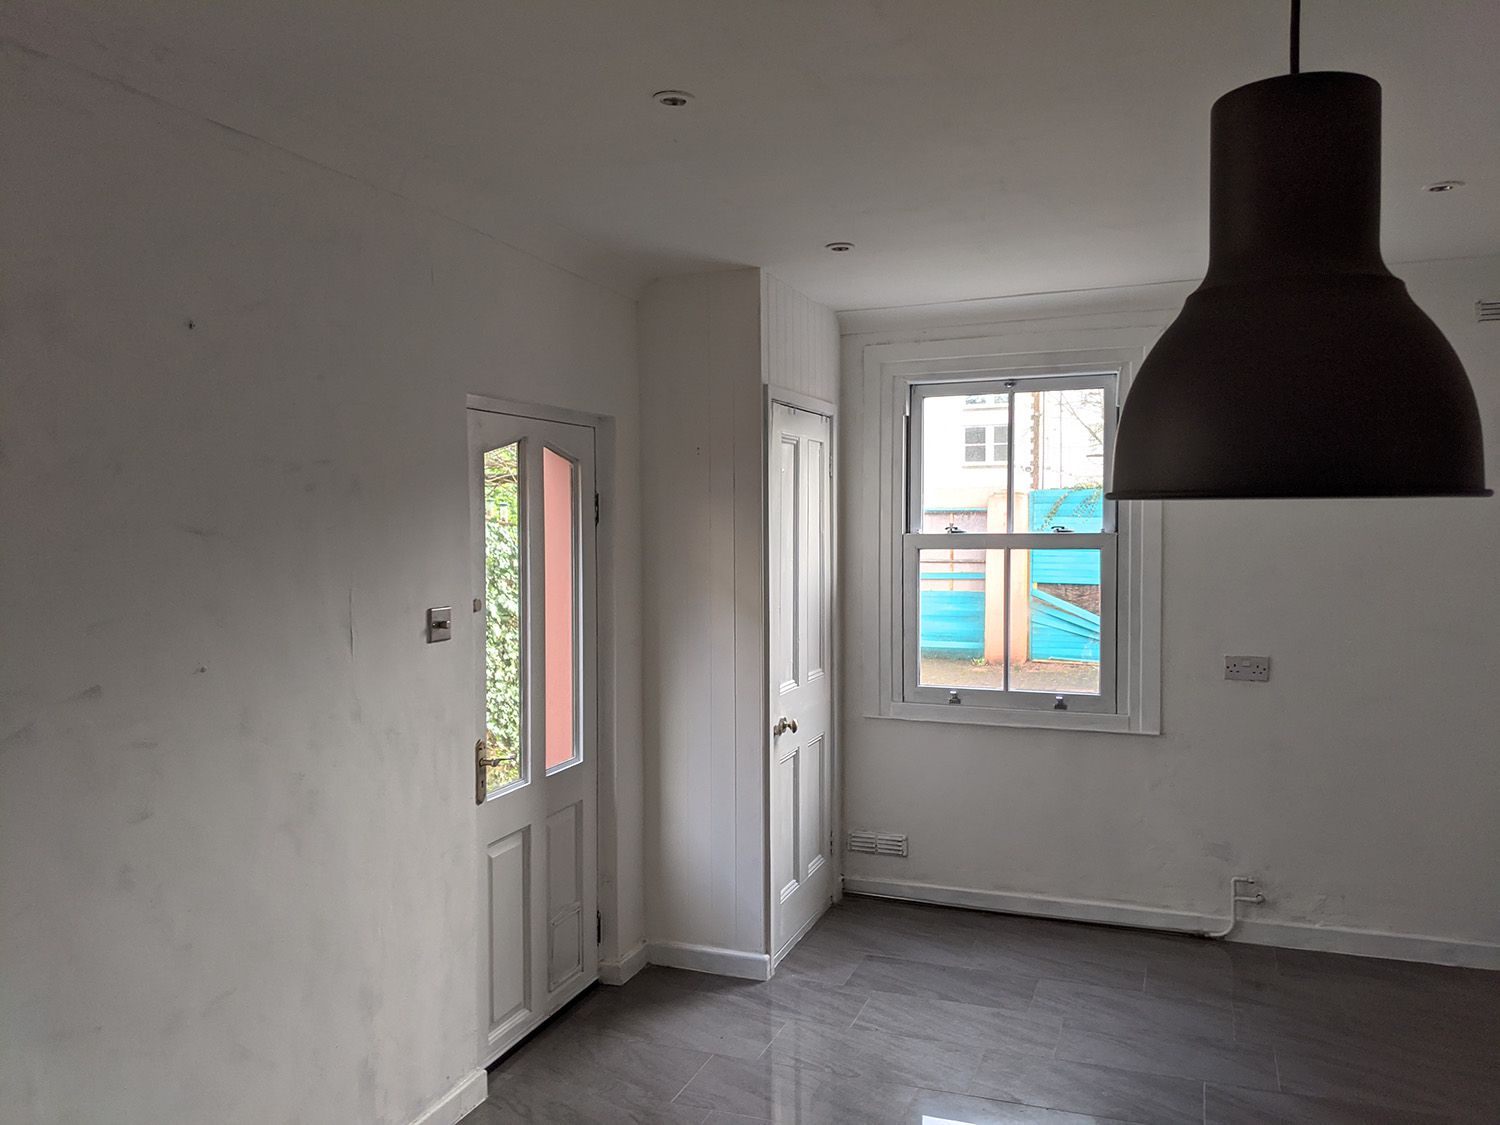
(1247, 668)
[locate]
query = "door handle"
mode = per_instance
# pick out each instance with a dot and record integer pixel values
(480, 764)
(783, 725)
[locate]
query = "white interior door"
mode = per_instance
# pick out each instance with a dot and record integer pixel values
(801, 649)
(536, 670)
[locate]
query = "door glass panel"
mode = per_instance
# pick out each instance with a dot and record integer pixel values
(560, 583)
(1055, 617)
(503, 607)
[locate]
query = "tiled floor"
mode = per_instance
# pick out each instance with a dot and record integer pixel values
(890, 1012)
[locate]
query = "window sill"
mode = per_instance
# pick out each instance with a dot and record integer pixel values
(998, 717)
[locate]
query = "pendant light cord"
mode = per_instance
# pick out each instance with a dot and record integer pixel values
(1296, 36)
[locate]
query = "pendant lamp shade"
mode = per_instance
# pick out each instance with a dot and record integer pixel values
(1300, 367)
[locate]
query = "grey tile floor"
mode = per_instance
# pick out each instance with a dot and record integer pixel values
(904, 1014)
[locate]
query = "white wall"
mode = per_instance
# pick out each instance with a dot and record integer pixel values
(800, 342)
(704, 604)
(708, 344)
(1360, 784)
(237, 862)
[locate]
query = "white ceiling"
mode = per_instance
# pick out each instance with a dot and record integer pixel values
(968, 147)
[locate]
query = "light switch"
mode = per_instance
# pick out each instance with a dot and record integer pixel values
(439, 624)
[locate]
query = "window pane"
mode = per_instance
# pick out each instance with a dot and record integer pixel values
(961, 611)
(1055, 439)
(560, 587)
(503, 643)
(1055, 619)
(962, 485)
(1059, 442)
(1054, 628)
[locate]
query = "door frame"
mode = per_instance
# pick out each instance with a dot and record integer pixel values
(785, 396)
(605, 605)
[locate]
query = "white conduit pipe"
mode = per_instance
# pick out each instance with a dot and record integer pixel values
(1235, 898)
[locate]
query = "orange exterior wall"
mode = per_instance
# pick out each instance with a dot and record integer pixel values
(557, 586)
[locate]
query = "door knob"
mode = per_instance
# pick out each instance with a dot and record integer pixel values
(783, 725)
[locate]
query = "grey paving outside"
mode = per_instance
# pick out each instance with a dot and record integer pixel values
(903, 1014)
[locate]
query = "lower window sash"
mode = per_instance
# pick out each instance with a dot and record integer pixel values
(991, 635)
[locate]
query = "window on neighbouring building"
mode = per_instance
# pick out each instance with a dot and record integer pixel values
(1009, 550)
(986, 445)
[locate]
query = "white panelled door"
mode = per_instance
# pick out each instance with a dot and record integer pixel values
(536, 667)
(800, 547)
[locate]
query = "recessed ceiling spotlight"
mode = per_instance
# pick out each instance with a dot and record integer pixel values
(1444, 185)
(839, 247)
(673, 98)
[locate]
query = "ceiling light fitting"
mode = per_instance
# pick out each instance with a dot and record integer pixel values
(673, 98)
(1300, 367)
(1444, 185)
(839, 247)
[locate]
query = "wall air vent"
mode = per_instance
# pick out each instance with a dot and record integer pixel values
(1487, 311)
(877, 843)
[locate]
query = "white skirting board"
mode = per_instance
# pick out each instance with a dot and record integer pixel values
(1370, 943)
(465, 1096)
(1291, 935)
(1044, 906)
(710, 959)
(618, 972)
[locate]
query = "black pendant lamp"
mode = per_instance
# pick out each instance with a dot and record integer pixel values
(1300, 367)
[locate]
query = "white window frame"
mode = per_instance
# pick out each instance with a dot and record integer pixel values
(914, 542)
(1132, 647)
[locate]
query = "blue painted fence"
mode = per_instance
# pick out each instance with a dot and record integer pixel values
(953, 623)
(1059, 629)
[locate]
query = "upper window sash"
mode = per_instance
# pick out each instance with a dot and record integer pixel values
(998, 540)
(971, 387)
